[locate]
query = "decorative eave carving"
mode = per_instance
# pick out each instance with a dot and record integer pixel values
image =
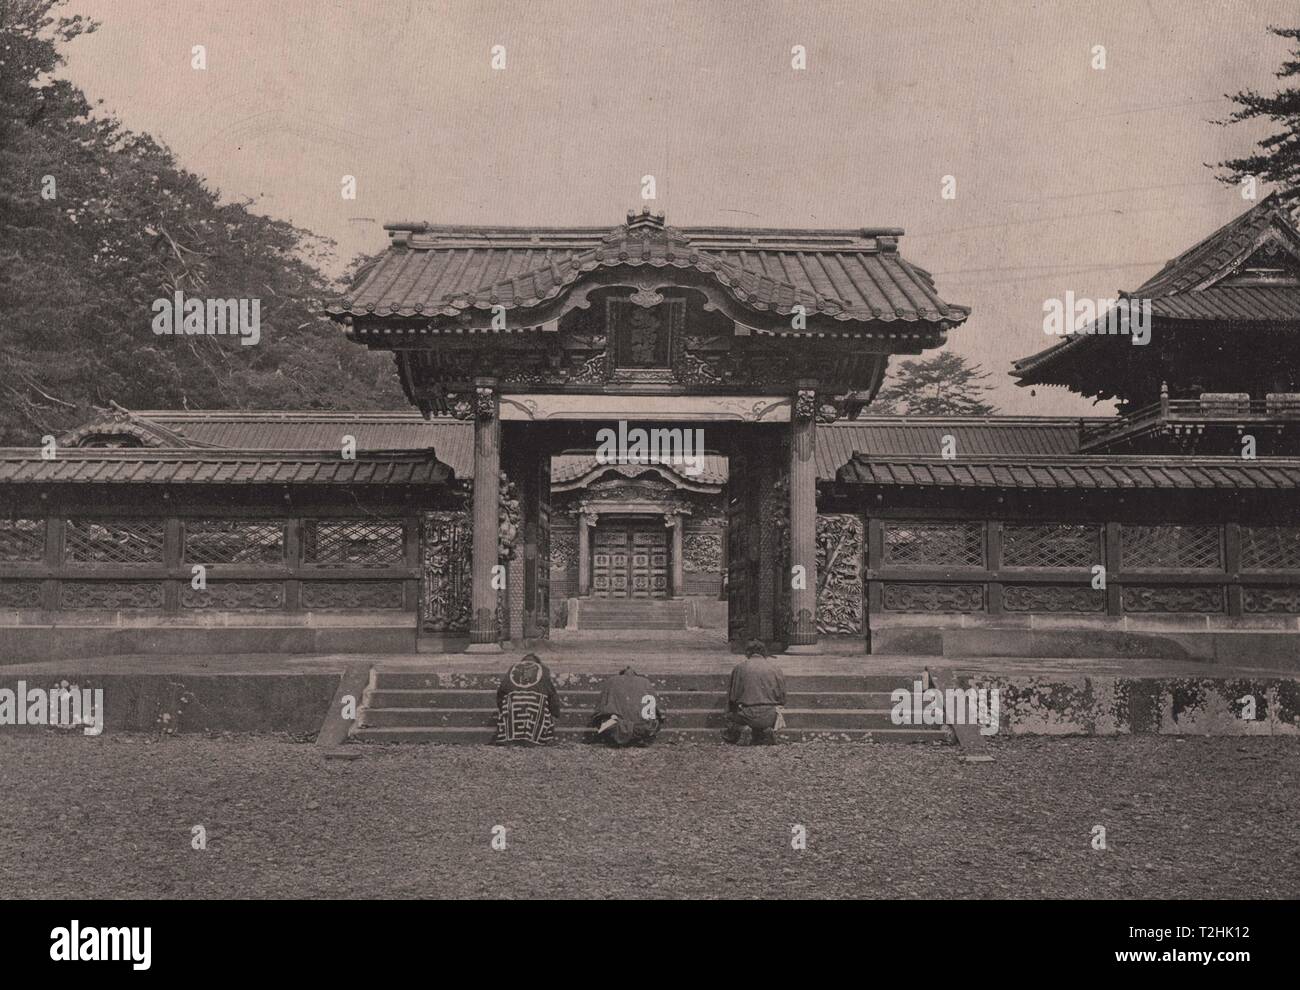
(119, 425)
(661, 472)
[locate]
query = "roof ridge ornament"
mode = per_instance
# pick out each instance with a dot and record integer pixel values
(644, 220)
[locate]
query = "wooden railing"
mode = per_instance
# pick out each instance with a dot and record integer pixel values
(1208, 408)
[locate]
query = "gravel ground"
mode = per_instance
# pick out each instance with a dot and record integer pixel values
(112, 817)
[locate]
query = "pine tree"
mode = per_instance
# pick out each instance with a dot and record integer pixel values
(1278, 159)
(942, 385)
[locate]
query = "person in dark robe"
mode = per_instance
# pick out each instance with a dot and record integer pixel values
(630, 711)
(756, 697)
(527, 704)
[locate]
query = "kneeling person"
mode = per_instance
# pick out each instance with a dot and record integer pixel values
(756, 697)
(527, 703)
(630, 712)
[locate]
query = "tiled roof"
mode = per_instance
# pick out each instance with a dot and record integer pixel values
(1232, 302)
(1091, 472)
(1196, 286)
(853, 275)
(300, 430)
(1221, 250)
(922, 436)
(121, 466)
(452, 441)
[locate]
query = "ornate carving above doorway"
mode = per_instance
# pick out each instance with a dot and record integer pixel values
(632, 497)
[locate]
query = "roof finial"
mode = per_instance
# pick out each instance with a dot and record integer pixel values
(644, 219)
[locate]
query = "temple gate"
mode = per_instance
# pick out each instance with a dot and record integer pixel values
(545, 336)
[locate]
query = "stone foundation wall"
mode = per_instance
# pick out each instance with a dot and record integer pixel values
(1109, 706)
(33, 636)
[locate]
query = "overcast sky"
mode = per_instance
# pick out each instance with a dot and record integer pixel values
(1068, 177)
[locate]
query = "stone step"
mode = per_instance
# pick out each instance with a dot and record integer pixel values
(606, 614)
(642, 625)
(485, 698)
(688, 718)
(480, 736)
(645, 602)
(398, 678)
(442, 706)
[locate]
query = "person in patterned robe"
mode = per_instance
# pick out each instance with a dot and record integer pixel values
(527, 704)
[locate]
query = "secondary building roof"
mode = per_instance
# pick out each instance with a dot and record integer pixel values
(452, 441)
(134, 466)
(1082, 472)
(284, 430)
(1245, 273)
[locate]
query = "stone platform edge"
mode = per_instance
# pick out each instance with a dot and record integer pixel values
(301, 704)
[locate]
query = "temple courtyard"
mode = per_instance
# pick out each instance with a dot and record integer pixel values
(119, 816)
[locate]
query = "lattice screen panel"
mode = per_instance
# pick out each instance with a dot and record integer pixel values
(1172, 547)
(1051, 545)
(233, 541)
(1268, 548)
(22, 539)
(934, 544)
(97, 541)
(354, 542)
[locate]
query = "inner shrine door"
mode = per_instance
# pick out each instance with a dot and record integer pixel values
(629, 559)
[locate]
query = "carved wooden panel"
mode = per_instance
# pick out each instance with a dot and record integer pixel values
(22, 539)
(1172, 598)
(20, 594)
(445, 572)
(351, 594)
(564, 550)
(1270, 600)
(1052, 598)
(236, 596)
(900, 597)
(642, 336)
(741, 548)
(111, 594)
(702, 551)
(841, 544)
(542, 604)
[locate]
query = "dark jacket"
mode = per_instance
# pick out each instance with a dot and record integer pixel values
(625, 698)
(756, 681)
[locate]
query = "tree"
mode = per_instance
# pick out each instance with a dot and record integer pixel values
(97, 223)
(1277, 159)
(941, 385)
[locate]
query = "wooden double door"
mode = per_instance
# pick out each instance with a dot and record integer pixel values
(629, 560)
